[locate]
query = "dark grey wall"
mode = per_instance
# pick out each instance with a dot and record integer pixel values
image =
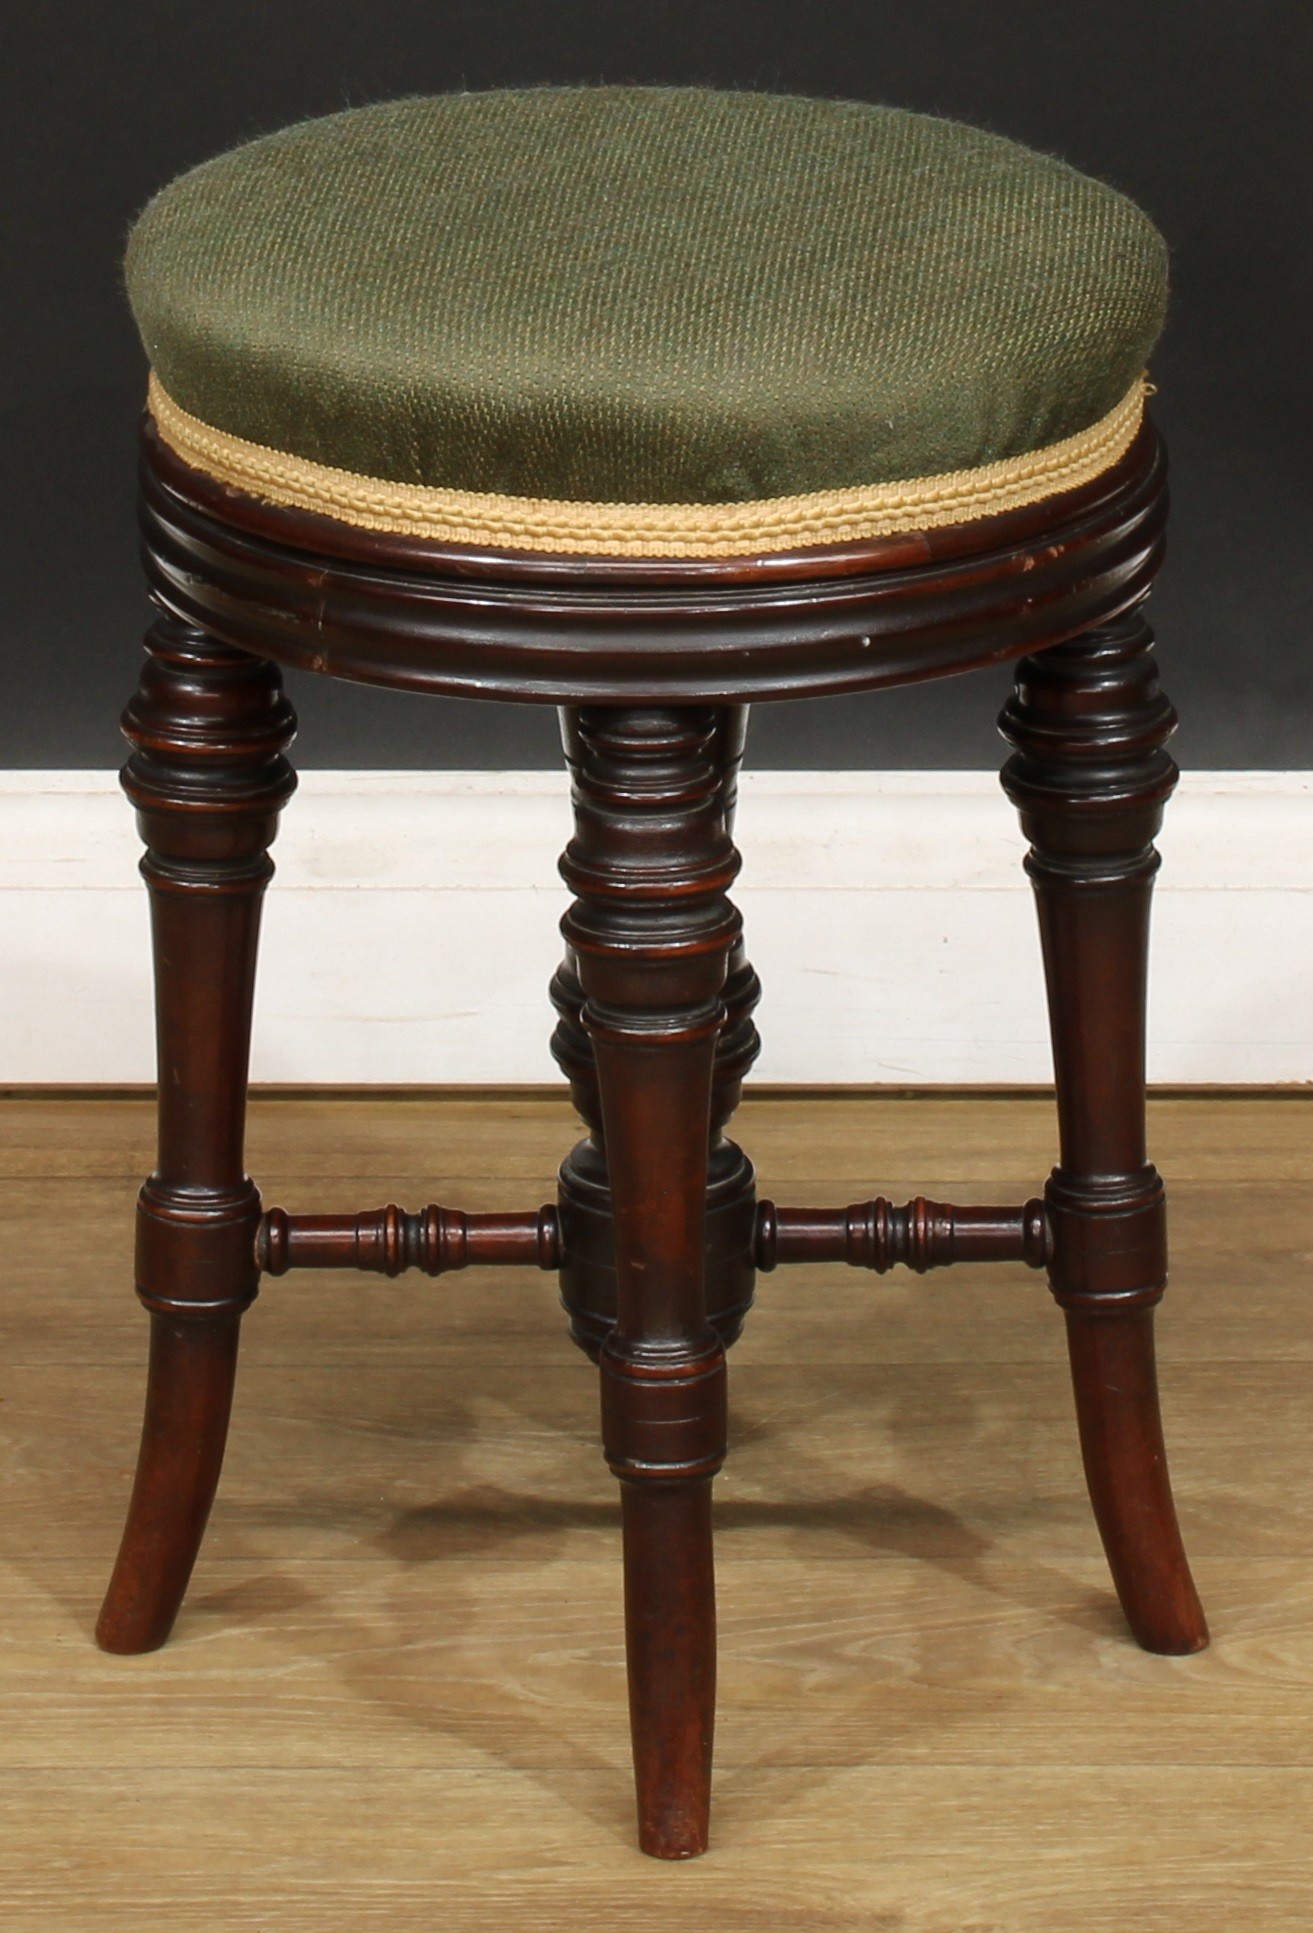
(1198, 108)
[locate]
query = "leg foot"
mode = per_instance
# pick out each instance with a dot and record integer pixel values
(189, 1393)
(1121, 1440)
(670, 1639)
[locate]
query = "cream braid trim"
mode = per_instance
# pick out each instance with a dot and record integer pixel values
(756, 529)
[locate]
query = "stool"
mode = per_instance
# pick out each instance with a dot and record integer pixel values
(649, 404)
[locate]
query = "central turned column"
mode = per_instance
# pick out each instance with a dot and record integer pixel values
(652, 931)
(588, 1246)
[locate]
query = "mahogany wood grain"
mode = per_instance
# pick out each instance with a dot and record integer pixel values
(1090, 775)
(652, 931)
(191, 1372)
(588, 1260)
(658, 1234)
(208, 778)
(423, 617)
(388, 1241)
(920, 1235)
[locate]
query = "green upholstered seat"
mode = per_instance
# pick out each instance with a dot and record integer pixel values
(644, 295)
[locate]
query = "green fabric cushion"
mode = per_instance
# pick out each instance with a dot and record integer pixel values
(644, 294)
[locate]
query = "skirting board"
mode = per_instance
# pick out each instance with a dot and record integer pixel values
(411, 931)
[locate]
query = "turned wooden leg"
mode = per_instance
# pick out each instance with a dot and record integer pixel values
(651, 931)
(588, 1261)
(207, 777)
(1090, 776)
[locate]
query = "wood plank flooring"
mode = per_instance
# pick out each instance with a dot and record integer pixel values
(395, 1698)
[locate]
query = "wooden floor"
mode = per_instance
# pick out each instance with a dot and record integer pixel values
(395, 1699)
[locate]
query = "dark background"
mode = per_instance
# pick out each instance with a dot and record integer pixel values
(1197, 108)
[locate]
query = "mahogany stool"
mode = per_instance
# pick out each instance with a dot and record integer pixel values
(650, 404)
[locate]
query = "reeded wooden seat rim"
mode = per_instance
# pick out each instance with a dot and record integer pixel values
(317, 594)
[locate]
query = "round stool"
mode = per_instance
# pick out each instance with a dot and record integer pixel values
(650, 404)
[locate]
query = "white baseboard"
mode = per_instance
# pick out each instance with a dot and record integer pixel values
(411, 930)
